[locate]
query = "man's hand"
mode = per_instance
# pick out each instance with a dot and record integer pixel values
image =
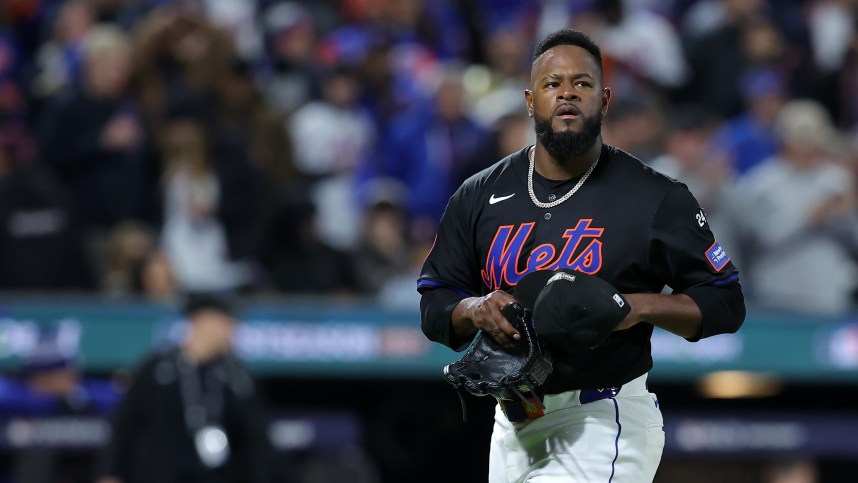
(484, 313)
(507, 373)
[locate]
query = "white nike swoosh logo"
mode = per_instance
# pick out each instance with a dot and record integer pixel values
(498, 199)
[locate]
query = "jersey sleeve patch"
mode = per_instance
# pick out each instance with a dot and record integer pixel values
(717, 257)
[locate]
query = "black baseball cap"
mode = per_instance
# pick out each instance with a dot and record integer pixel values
(571, 310)
(196, 301)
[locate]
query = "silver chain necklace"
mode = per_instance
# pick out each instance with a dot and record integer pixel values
(562, 198)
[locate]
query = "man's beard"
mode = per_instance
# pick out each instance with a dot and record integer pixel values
(566, 145)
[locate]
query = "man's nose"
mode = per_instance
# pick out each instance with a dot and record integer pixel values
(566, 93)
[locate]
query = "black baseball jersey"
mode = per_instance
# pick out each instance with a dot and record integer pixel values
(628, 224)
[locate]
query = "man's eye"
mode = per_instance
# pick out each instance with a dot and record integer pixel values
(582, 84)
(552, 84)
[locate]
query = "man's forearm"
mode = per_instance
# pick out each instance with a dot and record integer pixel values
(462, 325)
(678, 314)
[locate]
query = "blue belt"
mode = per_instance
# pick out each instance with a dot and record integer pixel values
(516, 411)
(590, 395)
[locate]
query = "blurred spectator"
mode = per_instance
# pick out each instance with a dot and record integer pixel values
(361, 29)
(241, 19)
(178, 57)
(691, 156)
(332, 138)
(93, 139)
(293, 76)
(41, 239)
(842, 96)
(765, 47)
(832, 27)
(333, 134)
(495, 89)
(718, 58)
(52, 383)
(388, 74)
(412, 66)
(509, 134)
(435, 29)
(389, 78)
(192, 413)
(244, 118)
(209, 208)
(157, 282)
(635, 124)
(52, 386)
(58, 61)
(435, 24)
(688, 157)
(129, 245)
(428, 146)
(793, 210)
(299, 261)
(397, 291)
(749, 138)
(383, 250)
(640, 43)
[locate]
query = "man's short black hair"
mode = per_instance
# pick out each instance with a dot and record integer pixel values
(569, 36)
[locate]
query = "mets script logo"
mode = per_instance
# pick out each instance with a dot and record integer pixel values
(507, 248)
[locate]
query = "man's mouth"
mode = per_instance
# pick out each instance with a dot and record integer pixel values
(567, 112)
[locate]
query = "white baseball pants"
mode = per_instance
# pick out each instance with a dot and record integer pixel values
(614, 440)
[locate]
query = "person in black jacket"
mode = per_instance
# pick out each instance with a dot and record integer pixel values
(192, 413)
(92, 138)
(42, 243)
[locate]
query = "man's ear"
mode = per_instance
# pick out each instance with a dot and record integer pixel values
(606, 99)
(528, 100)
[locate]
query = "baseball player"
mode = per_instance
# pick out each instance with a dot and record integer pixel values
(572, 202)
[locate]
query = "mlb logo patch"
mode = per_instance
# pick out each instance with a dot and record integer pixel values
(717, 256)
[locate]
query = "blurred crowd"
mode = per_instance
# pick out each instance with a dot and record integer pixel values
(153, 147)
